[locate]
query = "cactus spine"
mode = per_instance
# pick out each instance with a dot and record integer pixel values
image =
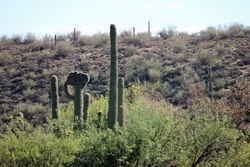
(86, 107)
(54, 97)
(78, 80)
(121, 101)
(113, 79)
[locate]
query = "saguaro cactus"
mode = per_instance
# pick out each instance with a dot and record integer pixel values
(54, 97)
(121, 101)
(86, 107)
(113, 79)
(99, 123)
(78, 80)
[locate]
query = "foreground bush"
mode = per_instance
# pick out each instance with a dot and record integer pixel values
(38, 148)
(156, 134)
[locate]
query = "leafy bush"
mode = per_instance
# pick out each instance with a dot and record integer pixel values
(29, 38)
(208, 34)
(100, 39)
(38, 148)
(168, 33)
(35, 46)
(131, 50)
(17, 39)
(5, 58)
(63, 49)
(179, 46)
(155, 134)
(236, 30)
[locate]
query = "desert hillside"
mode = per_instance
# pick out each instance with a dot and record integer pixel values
(171, 63)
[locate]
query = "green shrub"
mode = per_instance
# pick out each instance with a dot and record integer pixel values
(29, 93)
(168, 33)
(207, 139)
(85, 40)
(205, 58)
(28, 83)
(156, 134)
(37, 148)
(154, 75)
(100, 39)
(208, 34)
(131, 50)
(17, 39)
(29, 38)
(63, 49)
(143, 142)
(135, 68)
(35, 46)
(62, 38)
(220, 49)
(179, 46)
(236, 30)
(5, 58)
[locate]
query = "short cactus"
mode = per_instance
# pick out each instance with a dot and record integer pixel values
(86, 107)
(99, 123)
(121, 101)
(54, 97)
(113, 79)
(78, 80)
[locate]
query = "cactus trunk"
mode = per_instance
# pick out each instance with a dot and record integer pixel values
(113, 79)
(121, 101)
(78, 102)
(86, 107)
(54, 97)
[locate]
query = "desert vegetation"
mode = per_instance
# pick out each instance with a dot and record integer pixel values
(186, 99)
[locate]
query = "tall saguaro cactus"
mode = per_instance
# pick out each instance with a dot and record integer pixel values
(121, 101)
(54, 97)
(113, 79)
(78, 80)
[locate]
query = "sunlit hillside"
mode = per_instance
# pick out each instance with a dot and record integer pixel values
(186, 99)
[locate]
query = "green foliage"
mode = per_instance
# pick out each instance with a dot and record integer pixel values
(236, 30)
(37, 148)
(5, 59)
(29, 38)
(131, 50)
(179, 46)
(29, 93)
(155, 134)
(207, 139)
(34, 113)
(96, 106)
(63, 49)
(168, 33)
(208, 34)
(100, 39)
(144, 70)
(17, 39)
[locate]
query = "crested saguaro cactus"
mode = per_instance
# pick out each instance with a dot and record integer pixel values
(121, 101)
(78, 80)
(113, 79)
(54, 97)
